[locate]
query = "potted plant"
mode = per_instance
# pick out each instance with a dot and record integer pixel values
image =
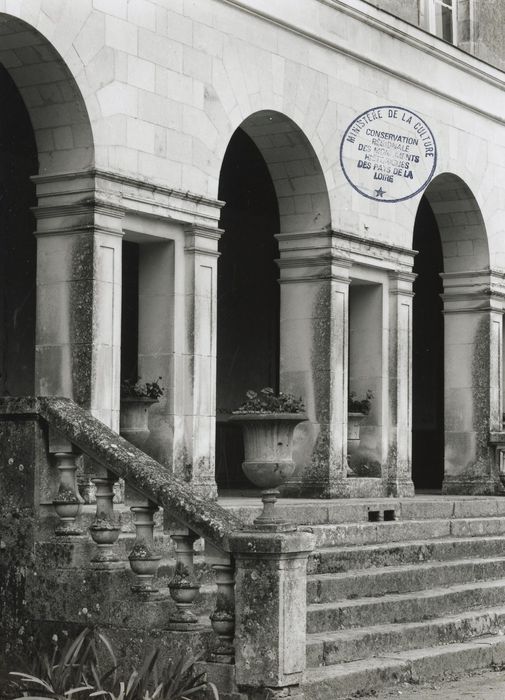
(136, 399)
(268, 420)
(357, 409)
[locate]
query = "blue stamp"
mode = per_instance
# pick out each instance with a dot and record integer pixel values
(388, 154)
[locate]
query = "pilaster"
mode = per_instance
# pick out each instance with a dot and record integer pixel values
(473, 320)
(198, 379)
(400, 384)
(313, 357)
(270, 609)
(78, 333)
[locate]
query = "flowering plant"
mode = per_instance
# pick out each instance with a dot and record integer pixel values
(267, 401)
(355, 405)
(135, 390)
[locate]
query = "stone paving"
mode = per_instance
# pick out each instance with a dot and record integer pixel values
(482, 685)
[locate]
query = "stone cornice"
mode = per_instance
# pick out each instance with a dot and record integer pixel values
(134, 196)
(404, 33)
(126, 180)
(352, 238)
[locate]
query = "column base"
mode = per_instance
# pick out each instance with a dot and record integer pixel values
(401, 489)
(459, 486)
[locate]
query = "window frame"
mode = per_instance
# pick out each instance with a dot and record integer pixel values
(428, 18)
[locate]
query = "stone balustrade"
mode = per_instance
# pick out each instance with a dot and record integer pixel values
(253, 569)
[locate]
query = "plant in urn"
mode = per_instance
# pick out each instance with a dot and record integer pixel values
(268, 422)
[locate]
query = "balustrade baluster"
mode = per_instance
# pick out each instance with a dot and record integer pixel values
(144, 560)
(184, 585)
(223, 617)
(67, 503)
(105, 529)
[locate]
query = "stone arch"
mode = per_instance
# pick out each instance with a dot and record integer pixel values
(470, 336)
(260, 318)
(295, 170)
(460, 223)
(52, 97)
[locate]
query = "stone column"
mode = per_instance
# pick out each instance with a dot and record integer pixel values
(270, 609)
(314, 357)
(196, 460)
(78, 332)
(473, 308)
(400, 384)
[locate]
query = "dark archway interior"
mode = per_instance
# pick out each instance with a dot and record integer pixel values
(428, 354)
(248, 295)
(130, 312)
(18, 161)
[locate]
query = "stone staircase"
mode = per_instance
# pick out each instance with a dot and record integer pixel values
(400, 590)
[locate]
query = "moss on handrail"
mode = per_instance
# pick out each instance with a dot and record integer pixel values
(95, 439)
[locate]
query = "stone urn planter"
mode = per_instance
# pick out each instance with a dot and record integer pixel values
(134, 419)
(268, 421)
(268, 463)
(136, 400)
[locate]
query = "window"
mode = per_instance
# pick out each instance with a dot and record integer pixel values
(440, 18)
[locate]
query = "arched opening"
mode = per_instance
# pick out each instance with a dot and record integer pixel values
(44, 132)
(449, 308)
(18, 161)
(427, 354)
(248, 294)
(271, 182)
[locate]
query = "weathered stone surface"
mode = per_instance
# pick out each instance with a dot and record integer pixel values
(330, 683)
(270, 614)
(400, 579)
(20, 460)
(407, 607)
(347, 558)
(350, 645)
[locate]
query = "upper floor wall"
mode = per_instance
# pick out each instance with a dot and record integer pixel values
(477, 27)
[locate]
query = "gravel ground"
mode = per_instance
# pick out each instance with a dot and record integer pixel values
(482, 685)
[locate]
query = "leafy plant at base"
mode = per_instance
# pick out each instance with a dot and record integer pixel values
(75, 671)
(355, 405)
(136, 390)
(67, 671)
(267, 401)
(178, 681)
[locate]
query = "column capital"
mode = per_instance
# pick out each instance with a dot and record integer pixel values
(202, 240)
(306, 267)
(473, 291)
(401, 282)
(72, 204)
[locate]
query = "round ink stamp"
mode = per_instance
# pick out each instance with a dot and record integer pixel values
(388, 154)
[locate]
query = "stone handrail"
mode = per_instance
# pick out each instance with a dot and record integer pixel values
(145, 474)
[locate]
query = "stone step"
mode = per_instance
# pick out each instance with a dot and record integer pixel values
(317, 512)
(326, 649)
(346, 558)
(404, 607)
(358, 678)
(343, 534)
(325, 588)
